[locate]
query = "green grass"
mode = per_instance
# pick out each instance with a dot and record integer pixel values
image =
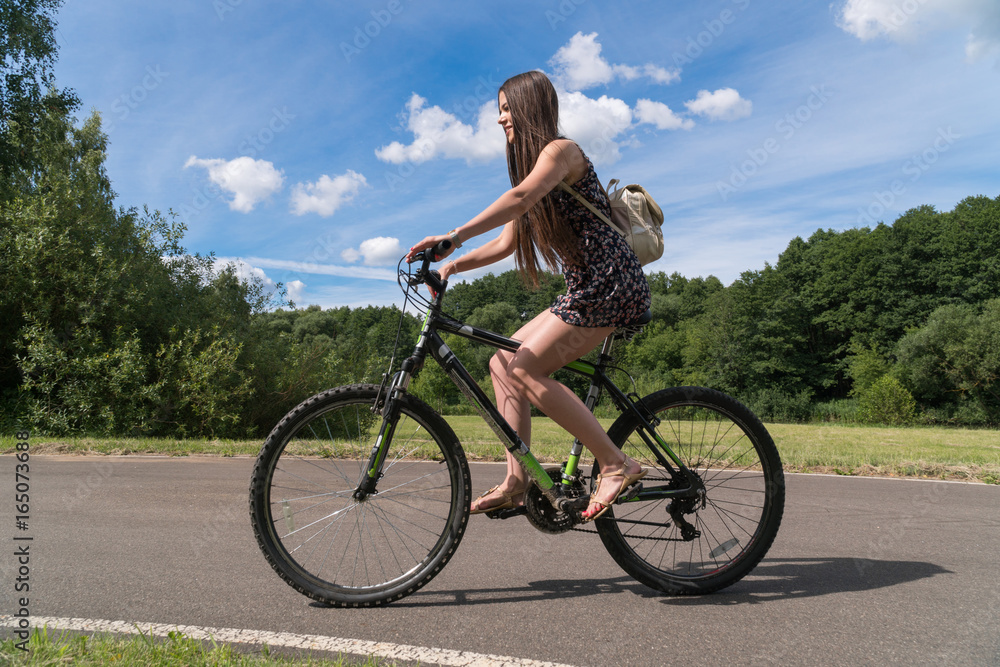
(929, 452)
(65, 648)
(932, 452)
(121, 446)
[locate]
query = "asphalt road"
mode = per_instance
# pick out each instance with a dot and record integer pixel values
(864, 571)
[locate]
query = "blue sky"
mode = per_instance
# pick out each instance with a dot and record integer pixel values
(313, 142)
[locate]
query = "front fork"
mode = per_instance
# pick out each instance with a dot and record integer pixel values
(389, 407)
(390, 415)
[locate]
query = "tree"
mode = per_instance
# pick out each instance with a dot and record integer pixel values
(951, 364)
(27, 95)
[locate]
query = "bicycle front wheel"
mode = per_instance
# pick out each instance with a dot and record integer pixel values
(347, 552)
(724, 443)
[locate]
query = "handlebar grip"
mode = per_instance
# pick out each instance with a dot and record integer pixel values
(438, 251)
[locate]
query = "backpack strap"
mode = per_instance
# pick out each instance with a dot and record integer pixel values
(583, 200)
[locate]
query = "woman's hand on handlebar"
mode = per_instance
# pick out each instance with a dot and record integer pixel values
(429, 242)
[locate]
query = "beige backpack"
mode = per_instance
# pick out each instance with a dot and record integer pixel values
(635, 215)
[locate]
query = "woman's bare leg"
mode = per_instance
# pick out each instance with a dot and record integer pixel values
(548, 344)
(517, 411)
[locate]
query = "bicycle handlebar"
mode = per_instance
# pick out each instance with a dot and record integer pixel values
(424, 274)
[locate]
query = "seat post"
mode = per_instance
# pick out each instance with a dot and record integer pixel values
(609, 343)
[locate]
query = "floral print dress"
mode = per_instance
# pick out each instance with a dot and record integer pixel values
(610, 290)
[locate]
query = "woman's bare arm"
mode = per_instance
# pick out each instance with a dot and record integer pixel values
(559, 159)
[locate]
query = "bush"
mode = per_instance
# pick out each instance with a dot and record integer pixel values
(837, 410)
(887, 402)
(80, 383)
(776, 405)
(203, 388)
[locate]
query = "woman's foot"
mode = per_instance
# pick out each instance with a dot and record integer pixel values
(612, 485)
(497, 499)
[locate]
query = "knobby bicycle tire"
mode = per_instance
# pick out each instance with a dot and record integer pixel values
(728, 447)
(336, 549)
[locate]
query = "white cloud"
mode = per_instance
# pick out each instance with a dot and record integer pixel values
(245, 272)
(908, 20)
(723, 104)
(579, 65)
(600, 126)
(660, 115)
(867, 19)
(359, 272)
(655, 72)
(978, 48)
(295, 289)
(249, 181)
(327, 194)
(594, 124)
(437, 133)
(378, 251)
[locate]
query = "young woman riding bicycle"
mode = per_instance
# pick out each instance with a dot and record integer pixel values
(605, 286)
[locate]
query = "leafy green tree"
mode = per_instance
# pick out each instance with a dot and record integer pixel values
(28, 53)
(952, 363)
(865, 366)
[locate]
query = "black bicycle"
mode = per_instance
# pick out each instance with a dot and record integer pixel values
(360, 495)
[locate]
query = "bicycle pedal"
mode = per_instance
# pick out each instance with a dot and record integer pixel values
(630, 494)
(508, 513)
(578, 504)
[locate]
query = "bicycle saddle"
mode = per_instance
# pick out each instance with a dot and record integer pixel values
(626, 332)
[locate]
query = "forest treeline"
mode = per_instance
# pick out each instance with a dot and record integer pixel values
(108, 326)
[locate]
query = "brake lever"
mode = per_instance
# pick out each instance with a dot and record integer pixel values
(425, 257)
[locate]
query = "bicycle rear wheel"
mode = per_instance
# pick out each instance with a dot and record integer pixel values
(336, 549)
(725, 444)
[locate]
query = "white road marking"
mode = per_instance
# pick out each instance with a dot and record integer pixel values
(422, 655)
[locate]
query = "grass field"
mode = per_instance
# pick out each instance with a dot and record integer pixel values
(930, 452)
(46, 648)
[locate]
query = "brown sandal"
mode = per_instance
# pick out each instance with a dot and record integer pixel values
(508, 501)
(629, 480)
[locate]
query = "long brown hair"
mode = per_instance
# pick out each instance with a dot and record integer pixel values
(534, 113)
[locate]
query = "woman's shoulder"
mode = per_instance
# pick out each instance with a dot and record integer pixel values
(570, 154)
(563, 147)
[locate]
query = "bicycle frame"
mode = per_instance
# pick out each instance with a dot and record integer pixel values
(683, 484)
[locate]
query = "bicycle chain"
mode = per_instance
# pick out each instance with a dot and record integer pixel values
(655, 539)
